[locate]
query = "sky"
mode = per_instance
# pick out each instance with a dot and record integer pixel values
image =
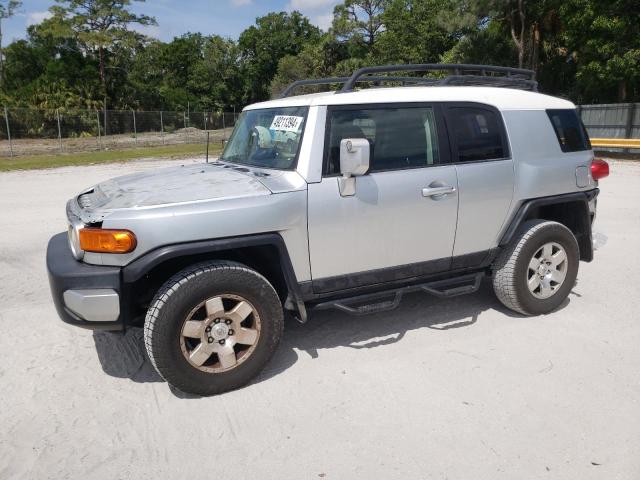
(227, 18)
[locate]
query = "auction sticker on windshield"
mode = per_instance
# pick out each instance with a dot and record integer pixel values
(286, 123)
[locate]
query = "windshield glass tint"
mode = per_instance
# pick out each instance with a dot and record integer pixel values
(267, 138)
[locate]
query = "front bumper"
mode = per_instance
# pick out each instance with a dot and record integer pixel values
(87, 296)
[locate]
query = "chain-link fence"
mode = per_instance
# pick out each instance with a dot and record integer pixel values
(27, 131)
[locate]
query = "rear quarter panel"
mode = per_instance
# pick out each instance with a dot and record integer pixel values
(541, 168)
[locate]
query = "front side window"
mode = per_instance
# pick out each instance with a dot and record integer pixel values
(477, 133)
(399, 137)
(267, 138)
(569, 129)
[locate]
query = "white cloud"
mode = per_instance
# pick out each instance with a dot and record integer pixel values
(152, 31)
(34, 18)
(319, 11)
(241, 3)
(310, 4)
(323, 21)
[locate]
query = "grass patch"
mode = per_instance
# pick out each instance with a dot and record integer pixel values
(30, 162)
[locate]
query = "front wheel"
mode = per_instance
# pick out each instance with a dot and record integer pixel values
(212, 327)
(536, 272)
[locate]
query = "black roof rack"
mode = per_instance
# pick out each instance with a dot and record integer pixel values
(369, 78)
(459, 74)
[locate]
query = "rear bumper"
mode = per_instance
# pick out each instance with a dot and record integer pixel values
(87, 296)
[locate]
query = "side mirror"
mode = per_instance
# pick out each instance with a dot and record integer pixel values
(354, 162)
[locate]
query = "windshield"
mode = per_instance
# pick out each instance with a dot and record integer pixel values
(267, 138)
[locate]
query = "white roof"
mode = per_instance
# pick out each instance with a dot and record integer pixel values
(501, 98)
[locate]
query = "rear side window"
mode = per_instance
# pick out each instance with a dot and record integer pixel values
(478, 134)
(569, 129)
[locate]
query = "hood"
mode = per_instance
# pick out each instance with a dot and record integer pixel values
(173, 185)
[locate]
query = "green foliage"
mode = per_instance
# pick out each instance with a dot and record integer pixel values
(604, 37)
(405, 22)
(48, 72)
(96, 24)
(359, 21)
(8, 9)
(274, 36)
(217, 81)
(317, 59)
(588, 50)
(489, 45)
(100, 27)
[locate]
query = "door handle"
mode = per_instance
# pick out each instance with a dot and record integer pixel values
(438, 192)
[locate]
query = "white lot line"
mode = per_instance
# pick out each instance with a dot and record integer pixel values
(391, 395)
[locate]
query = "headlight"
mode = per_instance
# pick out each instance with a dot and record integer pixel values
(107, 241)
(74, 241)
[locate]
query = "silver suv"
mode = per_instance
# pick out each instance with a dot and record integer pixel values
(346, 200)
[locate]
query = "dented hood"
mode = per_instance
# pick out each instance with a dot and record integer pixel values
(173, 185)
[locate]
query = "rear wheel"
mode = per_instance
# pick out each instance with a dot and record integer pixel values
(536, 272)
(212, 327)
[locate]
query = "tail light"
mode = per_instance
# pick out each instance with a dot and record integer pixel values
(599, 169)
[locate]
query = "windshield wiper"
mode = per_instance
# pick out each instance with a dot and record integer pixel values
(232, 158)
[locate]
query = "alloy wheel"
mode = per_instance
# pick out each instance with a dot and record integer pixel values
(220, 333)
(547, 270)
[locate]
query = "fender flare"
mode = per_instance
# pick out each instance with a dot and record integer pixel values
(586, 246)
(139, 267)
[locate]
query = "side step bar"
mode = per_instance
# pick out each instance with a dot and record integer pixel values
(365, 304)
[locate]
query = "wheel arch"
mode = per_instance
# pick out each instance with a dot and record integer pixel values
(571, 210)
(265, 253)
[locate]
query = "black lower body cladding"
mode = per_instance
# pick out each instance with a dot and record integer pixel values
(66, 273)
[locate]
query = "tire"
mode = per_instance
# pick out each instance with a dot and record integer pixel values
(524, 281)
(180, 329)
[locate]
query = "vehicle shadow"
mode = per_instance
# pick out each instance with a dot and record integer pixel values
(330, 329)
(124, 355)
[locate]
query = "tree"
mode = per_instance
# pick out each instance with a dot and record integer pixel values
(359, 20)
(490, 44)
(529, 24)
(317, 59)
(216, 79)
(588, 50)
(148, 76)
(8, 8)
(603, 39)
(98, 25)
(415, 32)
(274, 36)
(178, 61)
(43, 69)
(517, 23)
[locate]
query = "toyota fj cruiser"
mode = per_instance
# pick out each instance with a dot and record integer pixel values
(346, 200)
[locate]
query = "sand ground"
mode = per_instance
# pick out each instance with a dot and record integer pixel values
(455, 389)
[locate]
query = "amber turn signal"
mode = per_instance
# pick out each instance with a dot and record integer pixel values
(107, 241)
